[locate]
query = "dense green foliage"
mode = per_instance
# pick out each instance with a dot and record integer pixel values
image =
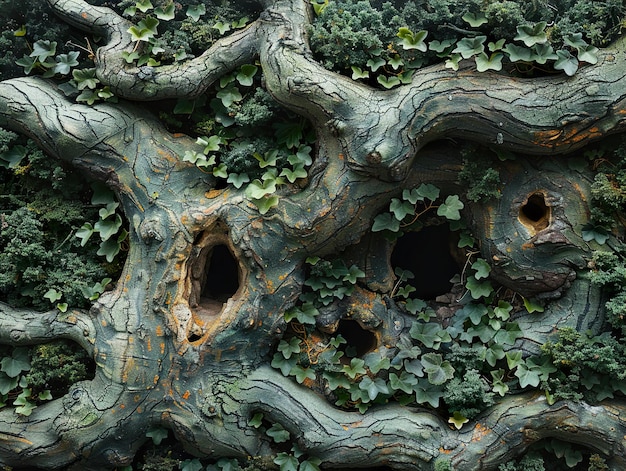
(384, 42)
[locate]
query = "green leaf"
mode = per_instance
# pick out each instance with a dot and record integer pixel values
(492, 62)
(388, 82)
(85, 78)
(25, 406)
(405, 382)
(108, 210)
(280, 362)
(453, 61)
(376, 361)
(238, 179)
(469, 47)
(358, 73)
(143, 5)
(28, 63)
(430, 334)
(482, 269)
(497, 46)
(310, 464)
(304, 314)
(191, 465)
(494, 353)
(396, 62)
(438, 370)
(532, 34)
(450, 208)
(458, 420)
(411, 40)
(588, 53)
(355, 368)
(53, 295)
(102, 194)
(595, 232)
(518, 53)
(566, 62)
(509, 334)
(532, 306)
(513, 359)
(195, 12)
(401, 209)
(289, 348)
(541, 53)
(229, 95)
(440, 46)
(427, 393)
(43, 49)
(278, 433)
(574, 40)
(109, 227)
(527, 376)
(166, 13)
(145, 30)
(157, 435)
(374, 387)
(375, 63)
(256, 420)
(289, 133)
(13, 157)
(246, 74)
(15, 364)
(64, 62)
(286, 462)
(268, 159)
(294, 174)
(109, 249)
(222, 27)
(384, 222)
(220, 171)
(302, 373)
(478, 289)
(475, 20)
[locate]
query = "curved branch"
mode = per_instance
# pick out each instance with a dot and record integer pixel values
(27, 327)
(412, 439)
(187, 79)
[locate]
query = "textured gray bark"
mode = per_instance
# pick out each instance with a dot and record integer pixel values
(164, 359)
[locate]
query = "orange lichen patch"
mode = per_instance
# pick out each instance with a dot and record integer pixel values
(159, 331)
(162, 346)
(528, 245)
(148, 344)
(103, 323)
(211, 194)
(444, 451)
(480, 431)
(186, 395)
(84, 15)
(156, 379)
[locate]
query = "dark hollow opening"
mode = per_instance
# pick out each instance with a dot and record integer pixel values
(428, 255)
(222, 274)
(535, 212)
(358, 339)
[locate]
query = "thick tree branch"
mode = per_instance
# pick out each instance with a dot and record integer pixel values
(26, 327)
(188, 79)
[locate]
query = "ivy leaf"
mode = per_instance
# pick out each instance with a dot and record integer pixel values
(336, 381)
(453, 61)
(598, 233)
(358, 73)
(15, 364)
(143, 5)
(438, 370)
(541, 53)
(13, 157)
(566, 62)
(229, 95)
(588, 53)
(238, 179)
(7, 384)
(405, 382)
(289, 348)
(450, 208)
(518, 53)
(469, 47)
(384, 222)
(503, 310)
(304, 314)
(167, 13)
(427, 393)
(532, 34)
(475, 20)
(108, 210)
(107, 228)
(53, 295)
(513, 359)
(527, 376)
(411, 40)
(280, 362)
(401, 209)
(375, 63)
(222, 27)
(497, 46)
(492, 62)
(268, 159)
(375, 361)
(157, 435)
(278, 433)
(430, 334)
(478, 289)
(374, 387)
(355, 368)
(28, 63)
(440, 46)
(396, 62)
(25, 406)
(532, 306)
(43, 49)
(482, 268)
(474, 312)
(458, 420)
(246, 74)
(302, 373)
(145, 30)
(388, 82)
(64, 62)
(85, 78)
(574, 40)
(286, 462)
(494, 353)
(195, 12)
(310, 464)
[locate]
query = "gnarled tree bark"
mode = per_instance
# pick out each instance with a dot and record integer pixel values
(165, 357)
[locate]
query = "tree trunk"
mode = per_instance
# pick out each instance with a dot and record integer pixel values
(167, 355)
